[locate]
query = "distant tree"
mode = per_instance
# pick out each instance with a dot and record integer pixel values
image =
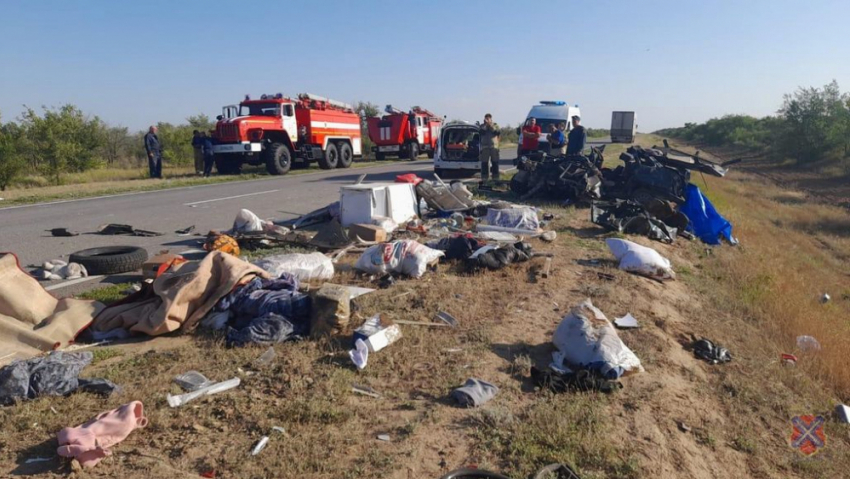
(117, 144)
(62, 140)
(12, 163)
(200, 122)
(176, 143)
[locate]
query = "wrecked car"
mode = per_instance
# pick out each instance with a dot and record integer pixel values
(572, 178)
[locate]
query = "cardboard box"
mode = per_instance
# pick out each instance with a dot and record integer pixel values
(152, 265)
(367, 233)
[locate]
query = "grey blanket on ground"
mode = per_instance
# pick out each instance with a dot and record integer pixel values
(474, 392)
(54, 375)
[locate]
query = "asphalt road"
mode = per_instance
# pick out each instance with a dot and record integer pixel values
(22, 228)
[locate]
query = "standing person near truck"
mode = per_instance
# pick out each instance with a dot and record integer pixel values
(557, 141)
(577, 139)
(154, 150)
(199, 155)
(530, 136)
(207, 151)
(489, 140)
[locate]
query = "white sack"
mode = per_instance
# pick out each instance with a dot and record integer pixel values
(247, 222)
(403, 256)
(638, 259)
(586, 338)
(305, 267)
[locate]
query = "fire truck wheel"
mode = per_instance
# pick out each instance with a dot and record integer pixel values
(345, 155)
(278, 159)
(331, 158)
(412, 151)
(227, 166)
(380, 156)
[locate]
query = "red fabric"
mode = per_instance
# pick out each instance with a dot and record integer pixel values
(529, 143)
(408, 178)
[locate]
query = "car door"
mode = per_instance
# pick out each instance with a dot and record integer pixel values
(290, 125)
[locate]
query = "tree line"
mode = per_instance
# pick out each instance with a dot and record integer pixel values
(812, 125)
(62, 140)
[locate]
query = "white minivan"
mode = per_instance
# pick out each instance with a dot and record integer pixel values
(458, 148)
(547, 113)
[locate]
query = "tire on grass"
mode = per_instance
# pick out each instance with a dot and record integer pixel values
(110, 259)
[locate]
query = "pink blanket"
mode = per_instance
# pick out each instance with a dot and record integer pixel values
(90, 442)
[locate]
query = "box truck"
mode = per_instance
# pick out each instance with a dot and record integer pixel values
(623, 127)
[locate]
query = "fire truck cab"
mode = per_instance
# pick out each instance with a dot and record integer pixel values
(405, 135)
(282, 132)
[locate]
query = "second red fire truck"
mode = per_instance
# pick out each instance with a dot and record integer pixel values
(281, 133)
(405, 135)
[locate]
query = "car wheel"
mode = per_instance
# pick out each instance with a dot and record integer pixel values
(110, 259)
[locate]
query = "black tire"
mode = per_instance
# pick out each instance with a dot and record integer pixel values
(278, 159)
(412, 151)
(380, 156)
(330, 158)
(346, 156)
(473, 474)
(431, 153)
(110, 259)
(226, 165)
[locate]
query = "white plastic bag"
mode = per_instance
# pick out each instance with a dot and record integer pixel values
(387, 224)
(586, 338)
(638, 259)
(305, 267)
(519, 218)
(403, 256)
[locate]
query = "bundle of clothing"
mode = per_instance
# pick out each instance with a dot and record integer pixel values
(56, 374)
(460, 246)
(266, 311)
(497, 257)
(573, 381)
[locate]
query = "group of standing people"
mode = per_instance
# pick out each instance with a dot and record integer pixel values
(201, 143)
(560, 143)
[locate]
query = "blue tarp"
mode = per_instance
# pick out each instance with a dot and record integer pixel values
(706, 223)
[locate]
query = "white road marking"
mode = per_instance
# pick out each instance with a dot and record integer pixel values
(71, 282)
(229, 197)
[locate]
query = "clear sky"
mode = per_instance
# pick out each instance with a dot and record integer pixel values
(136, 63)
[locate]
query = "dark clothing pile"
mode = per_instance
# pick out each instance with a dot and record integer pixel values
(267, 311)
(713, 353)
(582, 380)
(458, 247)
(502, 256)
(54, 375)
(630, 217)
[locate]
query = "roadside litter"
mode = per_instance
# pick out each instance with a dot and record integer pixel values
(305, 267)
(807, 344)
(402, 256)
(185, 231)
(92, 441)
(361, 203)
(788, 359)
(366, 391)
(626, 322)
(215, 388)
(222, 242)
(843, 413)
(474, 393)
(192, 381)
(372, 337)
(641, 260)
(117, 229)
(56, 374)
(62, 232)
(57, 269)
(160, 263)
(705, 222)
(497, 257)
(587, 340)
(573, 381)
(630, 217)
(110, 259)
(825, 298)
(711, 352)
(331, 310)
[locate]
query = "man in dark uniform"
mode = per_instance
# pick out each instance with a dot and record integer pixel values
(199, 155)
(207, 150)
(154, 149)
(577, 138)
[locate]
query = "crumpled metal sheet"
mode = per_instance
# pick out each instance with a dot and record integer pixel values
(631, 218)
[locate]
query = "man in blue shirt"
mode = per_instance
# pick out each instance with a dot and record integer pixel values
(207, 149)
(577, 138)
(557, 140)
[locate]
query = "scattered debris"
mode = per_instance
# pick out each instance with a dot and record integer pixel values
(586, 339)
(788, 359)
(331, 310)
(474, 392)
(305, 267)
(631, 217)
(360, 354)
(57, 269)
(179, 400)
(384, 437)
(641, 260)
(110, 259)
(549, 236)
(403, 256)
(421, 323)
(62, 232)
(843, 413)
(192, 381)
(56, 374)
(91, 442)
(497, 257)
(260, 445)
(361, 203)
(366, 391)
(556, 471)
(684, 427)
(447, 318)
(825, 298)
(38, 459)
(185, 231)
(807, 344)
(547, 266)
(266, 358)
(116, 229)
(573, 381)
(160, 263)
(626, 322)
(708, 351)
(705, 222)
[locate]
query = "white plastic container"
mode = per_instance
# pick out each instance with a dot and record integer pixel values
(361, 203)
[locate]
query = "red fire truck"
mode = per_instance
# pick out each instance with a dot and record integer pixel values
(282, 132)
(404, 134)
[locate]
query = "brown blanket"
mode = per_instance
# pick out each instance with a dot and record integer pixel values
(180, 297)
(31, 319)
